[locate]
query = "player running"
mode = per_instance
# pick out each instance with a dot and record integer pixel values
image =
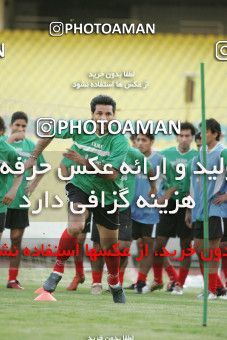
(109, 149)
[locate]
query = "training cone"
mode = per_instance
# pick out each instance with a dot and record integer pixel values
(39, 290)
(45, 296)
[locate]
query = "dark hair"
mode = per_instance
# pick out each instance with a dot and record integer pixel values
(102, 100)
(19, 115)
(213, 125)
(132, 136)
(147, 134)
(198, 135)
(187, 126)
(2, 125)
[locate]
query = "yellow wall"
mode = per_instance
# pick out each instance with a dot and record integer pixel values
(38, 70)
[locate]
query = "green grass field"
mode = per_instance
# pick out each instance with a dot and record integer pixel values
(78, 315)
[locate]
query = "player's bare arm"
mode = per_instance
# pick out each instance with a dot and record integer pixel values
(41, 145)
(10, 195)
(153, 189)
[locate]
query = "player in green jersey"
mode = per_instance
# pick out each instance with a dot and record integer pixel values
(17, 218)
(109, 149)
(2, 127)
(9, 156)
(133, 157)
(172, 225)
(2, 212)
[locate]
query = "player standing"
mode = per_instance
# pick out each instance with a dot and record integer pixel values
(133, 157)
(215, 151)
(172, 225)
(9, 156)
(220, 198)
(17, 218)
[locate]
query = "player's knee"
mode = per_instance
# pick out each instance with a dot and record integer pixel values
(16, 240)
(96, 246)
(158, 247)
(107, 245)
(185, 243)
(148, 241)
(223, 246)
(160, 243)
(213, 244)
(197, 248)
(123, 261)
(81, 238)
(124, 244)
(75, 229)
(185, 246)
